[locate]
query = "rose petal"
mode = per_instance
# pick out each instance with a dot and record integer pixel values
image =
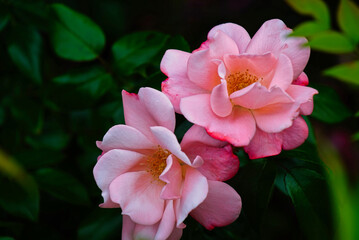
(238, 128)
(221, 207)
(172, 175)
(234, 31)
(220, 103)
(295, 136)
(128, 227)
(168, 141)
(167, 224)
(125, 137)
(273, 37)
(276, 117)
(257, 96)
(283, 74)
(111, 165)
(174, 63)
(197, 134)
(195, 189)
(138, 196)
(301, 80)
(304, 96)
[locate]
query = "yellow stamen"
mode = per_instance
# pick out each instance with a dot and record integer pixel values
(156, 162)
(237, 81)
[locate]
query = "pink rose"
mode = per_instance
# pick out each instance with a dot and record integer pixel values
(241, 90)
(157, 181)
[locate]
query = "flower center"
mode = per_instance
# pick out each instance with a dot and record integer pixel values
(156, 162)
(239, 80)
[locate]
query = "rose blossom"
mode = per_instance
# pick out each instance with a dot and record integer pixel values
(157, 181)
(249, 92)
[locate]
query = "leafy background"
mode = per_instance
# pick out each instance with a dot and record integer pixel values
(63, 65)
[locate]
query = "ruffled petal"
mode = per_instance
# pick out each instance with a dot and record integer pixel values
(203, 65)
(174, 63)
(273, 37)
(221, 207)
(257, 96)
(304, 96)
(283, 74)
(149, 108)
(295, 136)
(194, 192)
(276, 117)
(238, 128)
(168, 141)
(138, 196)
(301, 80)
(234, 31)
(111, 165)
(197, 134)
(125, 137)
(264, 144)
(167, 224)
(220, 102)
(172, 175)
(219, 163)
(269, 144)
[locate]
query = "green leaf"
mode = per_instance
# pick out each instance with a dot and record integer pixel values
(348, 19)
(137, 49)
(22, 196)
(6, 238)
(54, 139)
(309, 193)
(308, 29)
(35, 159)
(102, 224)
(355, 136)
(81, 88)
(254, 182)
(75, 36)
(62, 185)
(25, 51)
(328, 107)
(331, 42)
(347, 72)
(316, 8)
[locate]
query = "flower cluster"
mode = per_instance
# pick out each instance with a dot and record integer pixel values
(237, 91)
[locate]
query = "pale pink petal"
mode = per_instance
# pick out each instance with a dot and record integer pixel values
(174, 63)
(219, 163)
(276, 117)
(220, 102)
(168, 141)
(273, 37)
(269, 144)
(159, 106)
(139, 197)
(177, 88)
(238, 128)
(136, 114)
(301, 80)
(167, 224)
(197, 134)
(261, 66)
(202, 69)
(295, 136)
(195, 189)
(283, 74)
(304, 96)
(172, 175)
(111, 165)
(221, 207)
(257, 96)
(128, 227)
(145, 231)
(234, 31)
(264, 144)
(125, 137)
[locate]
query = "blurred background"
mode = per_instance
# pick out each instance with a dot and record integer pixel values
(63, 65)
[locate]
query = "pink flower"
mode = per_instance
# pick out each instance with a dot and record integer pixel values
(157, 181)
(241, 90)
